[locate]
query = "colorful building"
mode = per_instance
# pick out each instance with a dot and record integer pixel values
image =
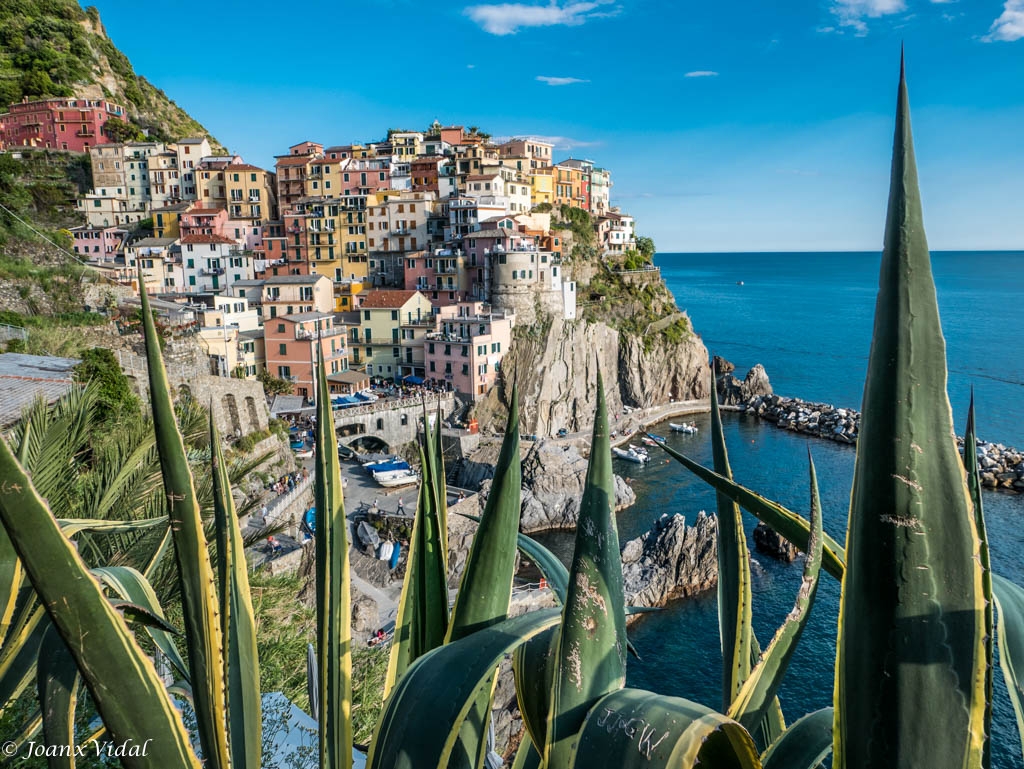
(71, 124)
(250, 192)
(292, 343)
(465, 349)
(389, 340)
(291, 294)
(211, 263)
(98, 244)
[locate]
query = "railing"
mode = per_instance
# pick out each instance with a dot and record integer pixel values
(323, 333)
(212, 271)
(390, 405)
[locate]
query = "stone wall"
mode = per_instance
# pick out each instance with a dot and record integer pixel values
(395, 425)
(239, 405)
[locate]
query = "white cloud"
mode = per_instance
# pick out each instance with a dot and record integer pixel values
(508, 18)
(471, 66)
(852, 13)
(1010, 25)
(701, 73)
(564, 143)
(560, 80)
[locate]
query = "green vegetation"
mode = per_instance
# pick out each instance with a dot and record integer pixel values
(115, 398)
(272, 385)
(580, 223)
(54, 48)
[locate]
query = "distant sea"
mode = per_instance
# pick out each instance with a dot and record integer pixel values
(808, 318)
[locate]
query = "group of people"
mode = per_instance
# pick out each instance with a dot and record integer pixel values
(288, 481)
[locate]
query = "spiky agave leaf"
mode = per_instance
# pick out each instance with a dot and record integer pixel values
(757, 695)
(420, 723)
(734, 600)
(195, 572)
(57, 684)
(804, 744)
(333, 592)
(122, 680)
(632, 728)
(1009, 601)
(241, 663)
(970, 458)
(591, 646)
(486, 587)
(912, 610)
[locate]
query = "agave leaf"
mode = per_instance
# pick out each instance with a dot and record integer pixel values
(441, 485)
(333, 592)
(11, 575)
(20, 654)
(73, 526)
(58, 682)
(195, 573)
(124, 685)
(527, 756)
(423, 607)
(238, 622)
(486, 587)
(419, 727)
(1009, 601)
(635, 728)
(590, 656)
(734, 599)
(26, 732)
(804, 745)
(788, 524)
(533, 670)
(970, 458)
(912, 611)
(757, 694)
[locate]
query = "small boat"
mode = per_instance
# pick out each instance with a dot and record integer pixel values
(402, 478)
(653, 440)
(631, 455)
(304, 454)
(739, 282)
(687, 429)
(370, 461)
(297, 443)
(649, 441)
(394, 472)
(387, 467)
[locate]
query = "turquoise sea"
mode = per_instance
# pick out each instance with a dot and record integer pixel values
(808, 319)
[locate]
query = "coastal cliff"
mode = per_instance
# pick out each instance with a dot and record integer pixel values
(555, 367)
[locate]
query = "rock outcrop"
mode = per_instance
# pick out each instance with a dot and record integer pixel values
(555, 367)
(672, 560)
(732, 391)
(773, 544)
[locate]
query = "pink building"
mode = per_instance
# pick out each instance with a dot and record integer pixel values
(58, 124)
(440, 275)
(203, 221)
(364, 177)
(98, 244)
(466, 348)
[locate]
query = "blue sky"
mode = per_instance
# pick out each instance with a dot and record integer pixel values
(740, 126)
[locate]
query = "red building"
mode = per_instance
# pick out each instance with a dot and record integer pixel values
(59, 124)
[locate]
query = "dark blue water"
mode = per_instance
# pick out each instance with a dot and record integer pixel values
(808, 319)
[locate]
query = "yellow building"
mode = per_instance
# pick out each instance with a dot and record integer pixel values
(352, 229)
(209, 181)
(389, 339)
(542, 186)
(167, 220)
(251, 193)
(346, 295)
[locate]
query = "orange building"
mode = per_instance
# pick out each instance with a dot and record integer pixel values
(291, 346)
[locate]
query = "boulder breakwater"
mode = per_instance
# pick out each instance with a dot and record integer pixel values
(1002, 467)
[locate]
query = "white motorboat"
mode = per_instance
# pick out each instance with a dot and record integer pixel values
(686, 429)
(631, 455)
(400, 478)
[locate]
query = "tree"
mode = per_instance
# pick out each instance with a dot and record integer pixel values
(122, 131)
(115, 397)
(646, 247)
(272, 385)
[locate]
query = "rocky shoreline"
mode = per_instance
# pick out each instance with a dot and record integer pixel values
(1002, 467)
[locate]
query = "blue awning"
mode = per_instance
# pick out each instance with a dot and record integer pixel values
(413, 379)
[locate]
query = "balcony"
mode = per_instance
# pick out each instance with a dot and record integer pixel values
(212, 271)
(400, 232)
(325, 333)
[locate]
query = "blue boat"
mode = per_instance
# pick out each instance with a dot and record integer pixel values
(384, 467)
(394, 555)
(309, 520)
(297, 444)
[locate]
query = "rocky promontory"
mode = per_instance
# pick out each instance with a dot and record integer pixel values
(670, 561)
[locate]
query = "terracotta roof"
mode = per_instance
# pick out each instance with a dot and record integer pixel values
(207, 239)
(483, 176)
(243, 167)
(204, 211)
(388, 299)
(295, 160)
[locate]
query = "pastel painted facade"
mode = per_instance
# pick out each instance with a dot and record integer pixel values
(107, 210)
(536, 151)
(251, 194)
(98, 244)
(290, 294)
(167, 220)
(399, 222)
(161, 265)
(442, 275)
(70, 124)
(406, 145)
(164, 179)
(291, 348)
(465, 213)
(211, 189)
(365, 176)
(292, 171)
(389, 340)
(616, 233)
(466, 347)
(211, 263)
(542, 186)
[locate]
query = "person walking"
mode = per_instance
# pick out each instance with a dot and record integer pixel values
(401, 506)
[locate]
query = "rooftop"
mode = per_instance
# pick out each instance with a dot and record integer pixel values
(23, 378)
(153, 242)
(299, 317)
(201, 238)
(292, 280)
(391, 299)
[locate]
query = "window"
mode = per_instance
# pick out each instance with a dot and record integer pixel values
(282, 349)
(432, 366)
(284, 371)
(405, 419)
(380, 424)
(394, 315)
(280, 328)
(465, 369)
(366, 314)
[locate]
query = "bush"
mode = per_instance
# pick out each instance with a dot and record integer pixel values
(99, 367)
